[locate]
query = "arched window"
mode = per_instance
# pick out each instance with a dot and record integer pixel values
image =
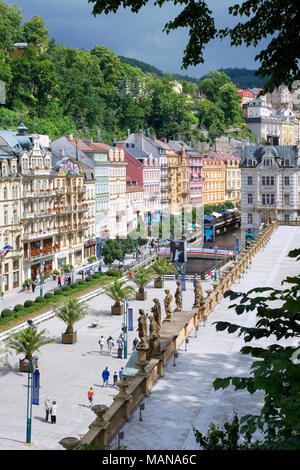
(5, 192)
(15, 216)
(5, 218)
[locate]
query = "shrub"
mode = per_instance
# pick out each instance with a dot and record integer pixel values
(74, 285)
(6, 313)
(114, 272)
(18, 307)
(82, 282)
(28, 303)
(89, 279)
(96, 275)
(48, 295)
(40, 298)
(57, 292)
(65, 288)
(92, 258)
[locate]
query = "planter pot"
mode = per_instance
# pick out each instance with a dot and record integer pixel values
(159, 283)
(69, 338)
(54, 277)
(24, 364)
(117, 310)
(141, 296)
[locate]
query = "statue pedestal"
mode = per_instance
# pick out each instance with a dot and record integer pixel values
(142, 362)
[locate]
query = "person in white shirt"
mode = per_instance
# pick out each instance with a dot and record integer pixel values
(47, 408)
(101, 343)
(53, 412)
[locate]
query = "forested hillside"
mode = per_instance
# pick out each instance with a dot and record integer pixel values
(244, 78)
(57, 90)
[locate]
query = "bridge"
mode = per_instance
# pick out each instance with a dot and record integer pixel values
(201, 253)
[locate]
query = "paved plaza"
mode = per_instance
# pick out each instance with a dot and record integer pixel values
(67, 372)
(182, 398)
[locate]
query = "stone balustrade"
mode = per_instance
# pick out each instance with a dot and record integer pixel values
(109, 420)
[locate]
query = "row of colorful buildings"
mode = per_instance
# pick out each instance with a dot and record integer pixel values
(59, 199)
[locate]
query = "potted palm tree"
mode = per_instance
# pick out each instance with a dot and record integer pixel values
(118, 291)
(141, 277)
(70, 312)
(161, 267)
(26, 342)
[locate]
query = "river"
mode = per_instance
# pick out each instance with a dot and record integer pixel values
(224, 241)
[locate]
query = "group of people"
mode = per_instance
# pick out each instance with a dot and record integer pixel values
(68, 280)
(50, 409)
(105, 378)
(120, 342)
(106, 375)
(33, 285)
(110, 344)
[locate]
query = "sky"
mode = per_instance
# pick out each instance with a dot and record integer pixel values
(138, 36)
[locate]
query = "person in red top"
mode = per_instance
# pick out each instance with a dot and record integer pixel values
(59, 281)
(91, 397)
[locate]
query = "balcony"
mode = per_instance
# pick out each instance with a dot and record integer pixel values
(38, 235)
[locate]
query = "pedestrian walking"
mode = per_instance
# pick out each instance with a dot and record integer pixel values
(53, 412)
(134, 343)
(47, 408)
(28, 286)
(69, 280)
(91, 397)
(110, 344)
(120, 350)
(115, 377)
(59, 281)
(101, 343)
(33, 286)
(105, 376)
(121, 376)
(120, 341)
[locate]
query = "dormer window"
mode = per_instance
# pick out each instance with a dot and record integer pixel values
(268, 162)
(286, 162)
(250, 162)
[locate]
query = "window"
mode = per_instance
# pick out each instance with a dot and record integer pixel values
(267, 180)
(268, 162)
(249, 180)
(287, 199)
(250, 198)
(268, 199)
(250, 218)
(286, 180)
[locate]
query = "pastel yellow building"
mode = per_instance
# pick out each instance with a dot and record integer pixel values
(214, 173)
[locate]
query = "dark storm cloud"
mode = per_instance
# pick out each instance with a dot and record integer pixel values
(138, 36)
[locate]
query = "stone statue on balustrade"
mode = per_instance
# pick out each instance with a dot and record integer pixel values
(167, 302)
(156, 310)
(142, 329)
(198, 294)
(178, 297)
(154, 335)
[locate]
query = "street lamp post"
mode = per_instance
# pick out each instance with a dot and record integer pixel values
(234, 249)
(41, 278)
(137, 236)
(125, 322)
(215, 273)
(100, 254)
(29, 402)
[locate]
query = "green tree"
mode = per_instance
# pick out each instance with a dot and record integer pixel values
(211, 117)
(141, 277)
(111, 251)
(211, 83)
(274, 22)
(70, 312)
(118, 291)
(28, 341)
(10, 25)
(229, 103)
(162, 266)
(35, 31)
(275, 369)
